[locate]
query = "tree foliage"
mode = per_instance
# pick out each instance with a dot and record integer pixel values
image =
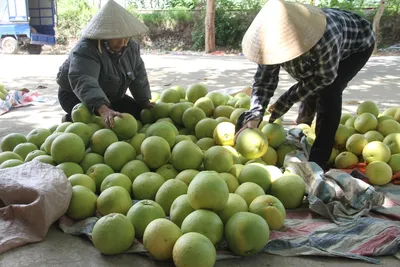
(182, 21)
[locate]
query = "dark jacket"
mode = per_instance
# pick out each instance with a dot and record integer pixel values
(96, 78)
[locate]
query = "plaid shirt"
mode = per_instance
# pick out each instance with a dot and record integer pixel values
(346, 33)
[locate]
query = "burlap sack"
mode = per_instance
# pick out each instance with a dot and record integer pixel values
(32, 197)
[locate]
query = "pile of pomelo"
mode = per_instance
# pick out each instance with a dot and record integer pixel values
(368, 137)
(175, 179)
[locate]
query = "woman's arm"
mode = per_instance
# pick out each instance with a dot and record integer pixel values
(140, 87)
(84, 71)
(325, 73)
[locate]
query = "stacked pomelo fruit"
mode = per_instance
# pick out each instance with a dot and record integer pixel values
(174, 179)
(369, 137)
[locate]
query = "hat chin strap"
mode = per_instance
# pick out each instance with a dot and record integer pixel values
(99, 46)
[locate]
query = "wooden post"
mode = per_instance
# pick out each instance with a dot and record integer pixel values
(210, 27)
(377, 19)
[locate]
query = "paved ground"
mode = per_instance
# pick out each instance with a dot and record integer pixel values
(378, 81)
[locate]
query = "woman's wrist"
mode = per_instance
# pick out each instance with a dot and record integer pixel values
(102, 109)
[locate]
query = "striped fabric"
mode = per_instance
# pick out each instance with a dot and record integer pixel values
(19, 98)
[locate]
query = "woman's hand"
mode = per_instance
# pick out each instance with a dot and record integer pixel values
(108, 115)
(250, 124)
(271, 108)
(147, 105)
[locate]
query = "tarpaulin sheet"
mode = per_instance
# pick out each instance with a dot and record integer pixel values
(20, 98)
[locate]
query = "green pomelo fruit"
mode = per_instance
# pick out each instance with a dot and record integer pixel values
(142, 213)
(289, 189)
(208, 191)
(146, 185)
(113, 234)
(204, 222)
(246, 233)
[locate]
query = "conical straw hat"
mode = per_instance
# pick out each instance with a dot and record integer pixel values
(113, 21)
(282, 31)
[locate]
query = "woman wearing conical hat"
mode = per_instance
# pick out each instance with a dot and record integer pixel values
(323, 49)
(103, 65)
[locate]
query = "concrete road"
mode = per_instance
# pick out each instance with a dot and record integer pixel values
(378, 81)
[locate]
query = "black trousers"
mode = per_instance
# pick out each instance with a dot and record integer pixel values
(125, 105)
(327, 104)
